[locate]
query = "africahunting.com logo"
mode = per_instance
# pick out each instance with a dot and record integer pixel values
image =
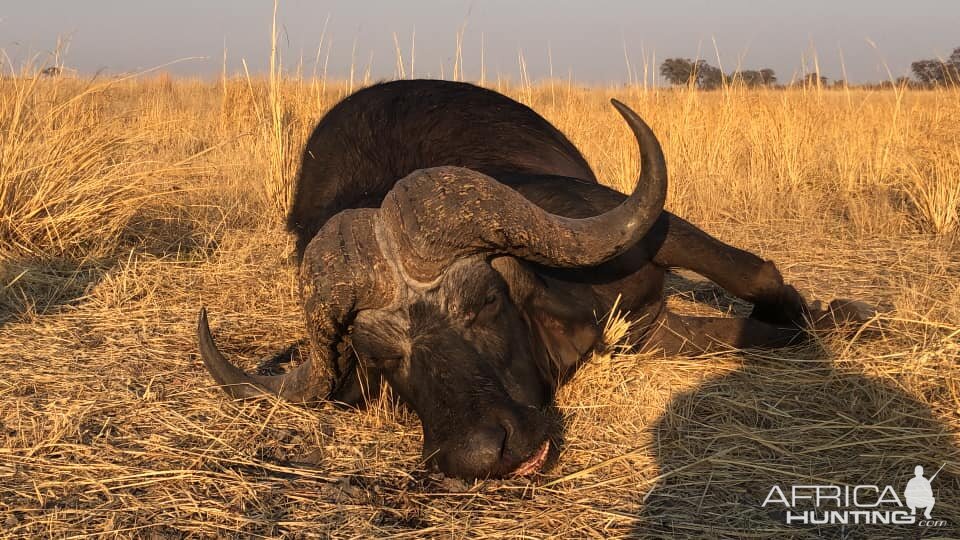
(859, 505)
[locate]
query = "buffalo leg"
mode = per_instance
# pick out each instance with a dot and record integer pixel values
(683, 335)
(740, 272)
(679, 334)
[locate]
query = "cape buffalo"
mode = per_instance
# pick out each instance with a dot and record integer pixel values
(454, 243)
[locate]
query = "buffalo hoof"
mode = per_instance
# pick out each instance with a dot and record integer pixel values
(788, 308)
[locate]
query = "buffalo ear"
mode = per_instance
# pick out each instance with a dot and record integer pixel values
(564, 327)
(566, 336)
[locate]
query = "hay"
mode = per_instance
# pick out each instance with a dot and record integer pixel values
(109, 425)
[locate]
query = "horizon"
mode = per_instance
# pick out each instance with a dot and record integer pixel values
(857, 41)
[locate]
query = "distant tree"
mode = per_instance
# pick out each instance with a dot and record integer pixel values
(938, 72)
(929, 72)
(812, 79)
(752, 78)
(951, 71)
(709, 77)
(679, 70)
(745, 77)
(769, 77)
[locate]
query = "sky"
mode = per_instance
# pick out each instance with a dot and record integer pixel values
(589, 41)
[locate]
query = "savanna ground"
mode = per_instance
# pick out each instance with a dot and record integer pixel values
(126, 205)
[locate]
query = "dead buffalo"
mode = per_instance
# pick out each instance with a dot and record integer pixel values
(457, 245)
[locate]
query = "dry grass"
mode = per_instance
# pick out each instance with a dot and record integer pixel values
(125, 206)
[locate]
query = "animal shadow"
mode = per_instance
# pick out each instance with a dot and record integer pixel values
(794, 421)
(43, 284)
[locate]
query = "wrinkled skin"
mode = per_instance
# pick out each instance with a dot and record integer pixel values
(460, 346)
(471, 326)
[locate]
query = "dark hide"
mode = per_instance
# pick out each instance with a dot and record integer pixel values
(461, 346)
(477, 341)
(380, 134)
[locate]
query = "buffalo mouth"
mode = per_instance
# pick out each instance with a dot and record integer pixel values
(534, 463)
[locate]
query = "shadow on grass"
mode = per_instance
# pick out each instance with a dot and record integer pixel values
(788, 420)
(41, 284)
(689, 286)
(784, 418)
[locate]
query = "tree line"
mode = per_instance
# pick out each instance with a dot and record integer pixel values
(938, 72)
(699, 73)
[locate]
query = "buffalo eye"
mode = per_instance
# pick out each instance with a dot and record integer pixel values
(377, 351)
(384, 358)
(490, 306)
(387, 363)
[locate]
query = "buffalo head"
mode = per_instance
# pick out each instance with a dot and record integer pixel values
(433, 290)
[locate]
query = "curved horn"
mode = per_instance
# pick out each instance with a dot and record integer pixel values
(447, 212)
(343, 271)
(297, 385)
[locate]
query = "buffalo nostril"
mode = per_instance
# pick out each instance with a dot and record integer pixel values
(484, 448)
(509, 423)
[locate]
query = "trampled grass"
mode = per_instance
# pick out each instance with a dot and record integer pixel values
(126, 205)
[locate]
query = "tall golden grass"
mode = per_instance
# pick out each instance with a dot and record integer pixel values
(80, 159)
(125, 205)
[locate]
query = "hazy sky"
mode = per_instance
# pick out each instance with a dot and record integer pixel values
(585, 38)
